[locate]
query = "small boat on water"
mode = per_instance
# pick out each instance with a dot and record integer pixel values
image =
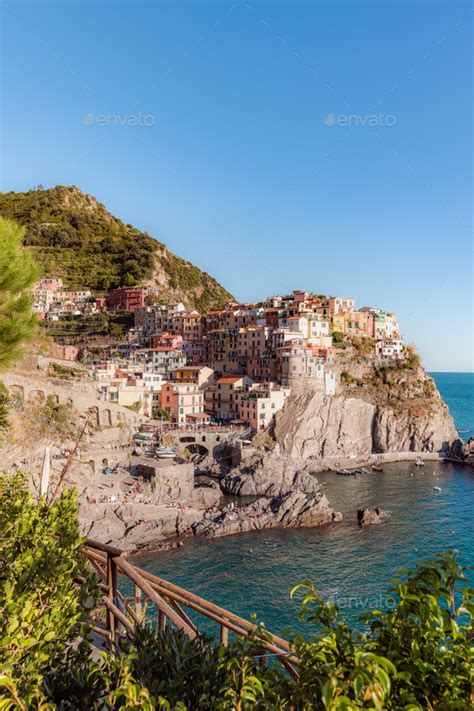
(419, 463)
(377, 468)
(345, 472)
(165, 452)
(437, 488)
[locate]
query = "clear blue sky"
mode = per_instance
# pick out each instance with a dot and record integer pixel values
(239, 172)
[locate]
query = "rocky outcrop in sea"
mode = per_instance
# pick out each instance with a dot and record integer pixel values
(464, 451)
(289, 496)
(369, 516)
(291, 509)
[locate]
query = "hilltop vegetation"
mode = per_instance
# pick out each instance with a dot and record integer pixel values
(73, 236)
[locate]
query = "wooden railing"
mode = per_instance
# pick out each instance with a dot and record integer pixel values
(122, 612)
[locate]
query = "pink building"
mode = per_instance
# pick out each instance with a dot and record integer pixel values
(171, 340)
(262, 367)
(184, 402)
(70, 353)
(50, 284)
(252, 341)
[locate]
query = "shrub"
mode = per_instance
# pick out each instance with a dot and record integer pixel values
(347, 378)
(135, 407)
(415, 656)
(363, 346)
(159, 414)
(4, 402)
(42, 609)
(58, 418)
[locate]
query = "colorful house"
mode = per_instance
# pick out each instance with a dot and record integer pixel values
(258, 404)
(184, 401)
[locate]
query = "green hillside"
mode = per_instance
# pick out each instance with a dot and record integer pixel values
(73, 236)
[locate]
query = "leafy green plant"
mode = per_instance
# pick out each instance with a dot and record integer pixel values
(17, 274)
(42, 608)
(135, 407)
(415, 656)
(347, 378)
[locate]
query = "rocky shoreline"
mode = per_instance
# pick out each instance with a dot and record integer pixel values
(288, 495)
(285, 493)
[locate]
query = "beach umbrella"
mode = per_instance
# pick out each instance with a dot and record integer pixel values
(44, 483)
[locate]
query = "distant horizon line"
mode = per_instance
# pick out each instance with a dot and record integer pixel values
(455, 372)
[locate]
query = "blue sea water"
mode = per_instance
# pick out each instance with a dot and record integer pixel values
(457, 390)
(254, 573)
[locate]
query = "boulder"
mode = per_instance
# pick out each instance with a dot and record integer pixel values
(368, 516)
(206, 495)
(464, 451)
(271, 475)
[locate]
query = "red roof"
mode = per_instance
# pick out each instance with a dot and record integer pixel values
(229, 381)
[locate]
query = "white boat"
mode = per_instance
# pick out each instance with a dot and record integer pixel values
(419, 463)
(165, 453)
(437, 488)
(345, 472)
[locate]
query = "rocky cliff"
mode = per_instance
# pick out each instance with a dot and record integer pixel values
(394, 410)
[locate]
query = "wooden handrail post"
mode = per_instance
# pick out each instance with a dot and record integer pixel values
(161, 620)
(138, 600)
(224, 635)
(111, 594)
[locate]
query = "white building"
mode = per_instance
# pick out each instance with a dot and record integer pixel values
(340, 303)
(391, 349)
(165, 359)
(329, 383)
(260, 402)
(317, 327)
(299, 361)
